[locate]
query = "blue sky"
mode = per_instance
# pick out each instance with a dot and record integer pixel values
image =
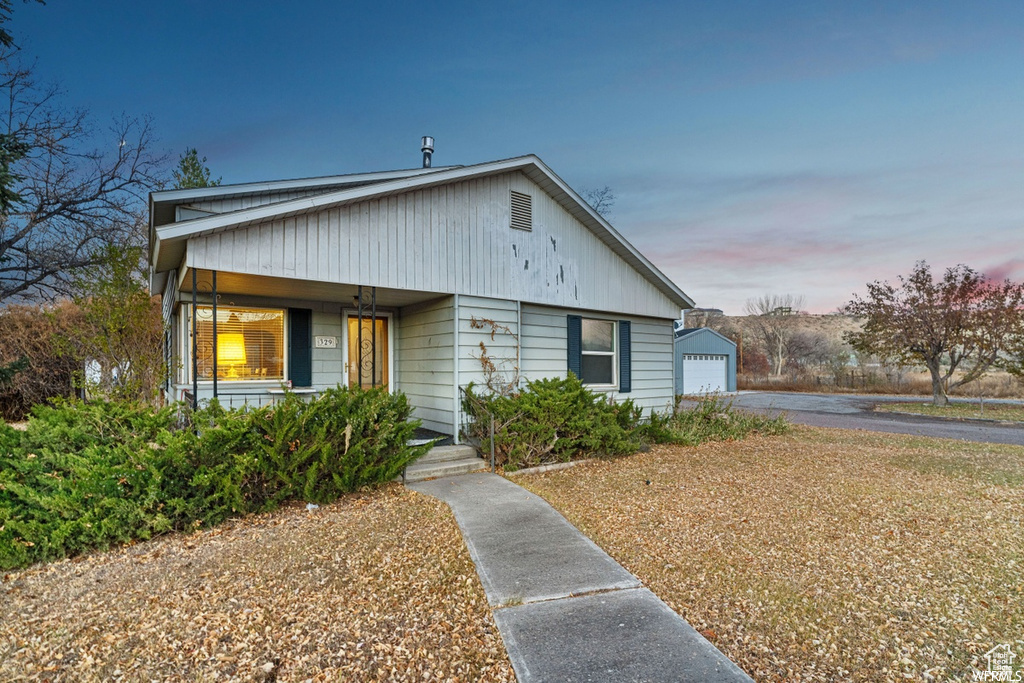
(753, 147)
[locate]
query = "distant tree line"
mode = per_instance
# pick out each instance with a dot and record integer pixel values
(958, 327)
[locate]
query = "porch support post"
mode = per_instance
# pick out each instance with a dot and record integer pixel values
(456, 403)
(195, 347)
(359, 339)
(214, 289)
(373, 337)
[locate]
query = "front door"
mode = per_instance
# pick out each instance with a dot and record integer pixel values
(368, 363)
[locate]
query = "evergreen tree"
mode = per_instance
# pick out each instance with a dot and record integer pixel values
(192, 172)
(9, 371)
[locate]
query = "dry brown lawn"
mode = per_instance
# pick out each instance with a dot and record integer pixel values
(1009, 412)
(823, 555)
(374, 587)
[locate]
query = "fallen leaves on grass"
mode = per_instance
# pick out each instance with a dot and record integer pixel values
(374, 587)
(1008, 412)
(824, 555)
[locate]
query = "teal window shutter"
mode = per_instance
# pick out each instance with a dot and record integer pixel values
(574, 345)
(625, 359)
(300, 347)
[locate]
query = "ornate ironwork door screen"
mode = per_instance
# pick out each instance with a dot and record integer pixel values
(363, 356)
(367, 343)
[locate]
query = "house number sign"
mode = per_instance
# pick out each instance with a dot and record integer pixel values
(322, 342)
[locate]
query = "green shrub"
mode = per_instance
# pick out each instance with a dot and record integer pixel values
(89, 475)
(558, 420)
(553, 420)
(80, 476)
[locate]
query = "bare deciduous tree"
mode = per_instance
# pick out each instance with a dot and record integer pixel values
(67, 200)
(121, 330)
(771, 317)
(963, 322)
(601, 199)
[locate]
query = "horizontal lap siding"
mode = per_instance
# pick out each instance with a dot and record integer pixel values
(544, 352)
(501, 350)
(450, 239)
(424, 361)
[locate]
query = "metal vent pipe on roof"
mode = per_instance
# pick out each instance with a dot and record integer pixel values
(428, 149)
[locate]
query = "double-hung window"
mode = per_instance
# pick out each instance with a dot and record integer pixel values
(598, 366)
(599, 352)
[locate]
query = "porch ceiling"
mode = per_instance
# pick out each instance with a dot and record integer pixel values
(242, 284)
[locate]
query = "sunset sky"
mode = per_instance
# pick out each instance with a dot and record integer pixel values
(754, 147)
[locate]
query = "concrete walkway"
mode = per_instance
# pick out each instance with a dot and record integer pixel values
(566, 610)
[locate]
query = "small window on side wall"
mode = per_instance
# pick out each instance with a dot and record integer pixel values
(597, 366)
(599, 352)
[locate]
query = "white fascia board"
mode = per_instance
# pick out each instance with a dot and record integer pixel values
(199, 226)
(284, 185)
(705, 330)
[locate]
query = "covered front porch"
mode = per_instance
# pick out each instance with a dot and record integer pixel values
(245, 339)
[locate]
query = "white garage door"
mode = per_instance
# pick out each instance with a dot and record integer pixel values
(703, 374)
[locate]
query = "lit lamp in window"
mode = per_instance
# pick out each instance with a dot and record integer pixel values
(231, 352)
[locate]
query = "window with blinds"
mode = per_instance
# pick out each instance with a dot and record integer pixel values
(249, 343)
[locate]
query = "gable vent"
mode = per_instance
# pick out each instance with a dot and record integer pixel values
(522, 211)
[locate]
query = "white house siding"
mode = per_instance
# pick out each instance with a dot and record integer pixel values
(501, 349)
(450, 239)
(226, 204)
(425, 361)
(543, 352)
(328, 364)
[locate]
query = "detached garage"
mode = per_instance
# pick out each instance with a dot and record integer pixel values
(705, 362)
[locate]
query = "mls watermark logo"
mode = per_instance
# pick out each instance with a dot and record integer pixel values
(1000, 665)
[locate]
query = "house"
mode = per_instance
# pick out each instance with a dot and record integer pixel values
(705, 361)
(412, 279)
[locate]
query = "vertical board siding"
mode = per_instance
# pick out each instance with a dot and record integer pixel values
(228, 204)
(450, 239)
(424, 361)
(170, 295)
(544, 342)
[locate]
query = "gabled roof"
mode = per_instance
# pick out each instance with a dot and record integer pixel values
(692, 331)
(168, 239)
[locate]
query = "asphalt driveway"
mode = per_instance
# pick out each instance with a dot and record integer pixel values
(846, 411)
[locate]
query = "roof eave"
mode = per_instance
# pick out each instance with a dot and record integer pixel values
(178, 232)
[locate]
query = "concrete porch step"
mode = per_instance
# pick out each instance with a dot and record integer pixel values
(419, 470)
(445, 461)
(447, 453)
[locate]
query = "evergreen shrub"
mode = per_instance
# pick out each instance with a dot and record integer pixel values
(558, 420)
(90, 475)
(552, 420)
